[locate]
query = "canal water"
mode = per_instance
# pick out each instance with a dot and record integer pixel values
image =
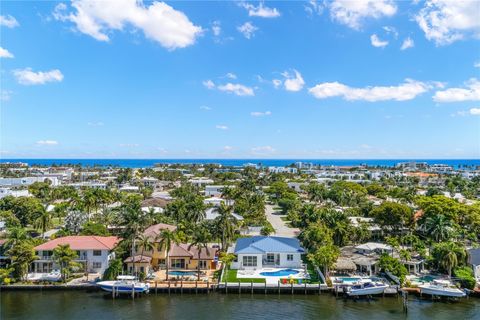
(72, 305)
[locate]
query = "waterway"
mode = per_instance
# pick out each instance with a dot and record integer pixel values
(82, 305)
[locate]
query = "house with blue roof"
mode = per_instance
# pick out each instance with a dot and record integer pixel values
(267, 252)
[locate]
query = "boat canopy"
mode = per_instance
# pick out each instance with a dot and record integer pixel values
(126, 278)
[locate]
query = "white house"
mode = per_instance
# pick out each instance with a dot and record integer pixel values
(213, 190)
(94, 253)
(4, 192)
(26, 181)
(267, 252)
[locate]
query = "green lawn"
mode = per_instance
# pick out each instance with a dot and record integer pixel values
(231, 276)
(314, 278)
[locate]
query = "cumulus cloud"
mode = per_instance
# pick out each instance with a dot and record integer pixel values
(4, 53)
(221, 127)
(209, 84)
(8, 21)
(471, 92)
(405, 91)
(29, 77)
(313, 7)
(260, 11)
(446, 21)
(476, 64)
(407, 43)
(353, 13)
(247, 29)
(376, 42)
(277, 83)
(260, 113)
(293, 82)
(160, 22)
(47, 143)
(263, 150)
(475, 111)
(231, 75)
(228, 148)
(216, 28)
(237, 89)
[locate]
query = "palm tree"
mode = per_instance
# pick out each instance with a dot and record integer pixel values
(200, 240)
(65, 258)
(226, 223)
(15, 236)
(166, 239)
(145, 243)
(438, 227)
(43, 222)
(449, 262)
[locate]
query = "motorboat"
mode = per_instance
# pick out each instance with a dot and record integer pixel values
(55, 275)
(124, 284)
(439, 287)
(366, 289)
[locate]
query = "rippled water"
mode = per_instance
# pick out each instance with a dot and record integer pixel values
(82, 305)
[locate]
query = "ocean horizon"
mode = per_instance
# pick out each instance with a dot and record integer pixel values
(146, 163)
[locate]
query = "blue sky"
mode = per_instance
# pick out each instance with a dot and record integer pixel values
(183, 79)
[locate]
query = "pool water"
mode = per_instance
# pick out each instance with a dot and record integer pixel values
(182, 273)
(279, 273)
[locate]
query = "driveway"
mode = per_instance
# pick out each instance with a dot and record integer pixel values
(280, 226)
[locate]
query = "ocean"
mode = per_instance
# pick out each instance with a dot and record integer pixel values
(146, 163)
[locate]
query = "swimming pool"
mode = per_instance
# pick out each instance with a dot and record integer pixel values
(279, 273)
(182, 273)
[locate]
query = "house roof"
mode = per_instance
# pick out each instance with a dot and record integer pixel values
(181, 250)
(155, 202)
(138, 259)
(372, 246)
(264, 244)
(81, 243)
(155, 229)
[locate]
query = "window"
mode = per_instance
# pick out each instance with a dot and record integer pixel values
(270, 258)
(203, 264)
(289, 257)
(177, 263)
(249, 261)
(97, 265)
(97, 252)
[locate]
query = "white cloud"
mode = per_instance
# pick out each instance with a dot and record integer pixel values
(8, 21)
(475, 111)
(376, 42)
(247, 29)
(293, 82)
(392, 30)
(313, 7)
(260, 10)
(352, 13)
(446, 21)
(95, 124)
(405, 91)
(471, 92)
(228, 148)
(260, 113)
(277, 83)
(476, 64)
(47, 143)
(209, 84)
(4, 53)
(221, 127)
(29, 77)
(231, 75)
(5, 95)
(236, 88)
(158, 21)
(216, 28)
(263, 150)
(407, 43)
(206, 108)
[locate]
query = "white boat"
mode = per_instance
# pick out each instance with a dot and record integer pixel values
(367, 288)
(442, 288)
(55, 275)
(124, 284)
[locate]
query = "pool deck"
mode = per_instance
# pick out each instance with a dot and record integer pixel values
(271, 280)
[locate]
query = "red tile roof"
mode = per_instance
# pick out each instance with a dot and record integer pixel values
(155, 230)
(81, 243)
(181, 250)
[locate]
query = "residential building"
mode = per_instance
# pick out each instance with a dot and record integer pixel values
(267, 252)
(94, 253)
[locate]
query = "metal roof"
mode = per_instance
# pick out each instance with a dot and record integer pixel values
(264, 244)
